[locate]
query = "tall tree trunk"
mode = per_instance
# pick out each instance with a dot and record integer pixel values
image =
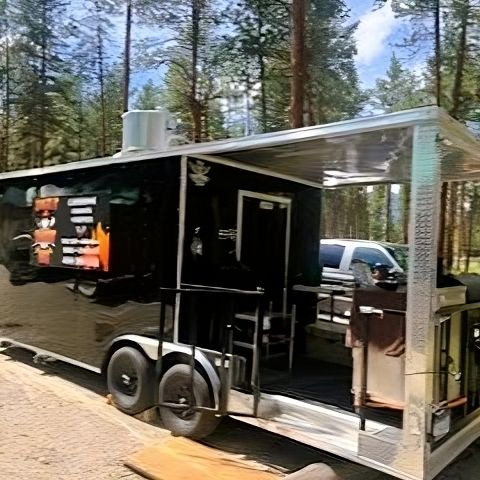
(195, 106)
(471, 226)
(43, 83)
(451, 225)
(297, 63)
(405, 211)
(461, 53)
(261, 76)
(456, 99)
(197, 122)
(103, 106)
(7, 104)
(248, 118)
(5, 146)
(461, 226)
(309, 107)
(437, 48)
(263, 92)
(126, 59)
(80, 128)
(438, 94)
(206, 121)
(388, 212)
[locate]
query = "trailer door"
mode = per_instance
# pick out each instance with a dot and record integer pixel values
(263, 242)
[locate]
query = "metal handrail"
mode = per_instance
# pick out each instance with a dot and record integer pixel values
(191, 289)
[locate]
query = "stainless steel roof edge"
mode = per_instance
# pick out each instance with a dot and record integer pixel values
(405, 118)
(454, 130)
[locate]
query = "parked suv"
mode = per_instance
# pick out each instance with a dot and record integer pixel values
(336, 256)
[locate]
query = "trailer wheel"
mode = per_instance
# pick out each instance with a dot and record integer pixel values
(175, 388)
(129, 380)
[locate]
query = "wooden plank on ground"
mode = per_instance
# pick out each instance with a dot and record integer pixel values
(178, 458)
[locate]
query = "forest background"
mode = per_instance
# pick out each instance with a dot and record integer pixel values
(70, 68)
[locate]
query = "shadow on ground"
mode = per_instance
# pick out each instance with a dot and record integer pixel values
(280, 452)
(79, 376)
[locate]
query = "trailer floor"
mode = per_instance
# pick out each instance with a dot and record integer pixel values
(319, 381)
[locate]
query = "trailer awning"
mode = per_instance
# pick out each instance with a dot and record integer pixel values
(362, 158)
(366, 150)
(363, 151)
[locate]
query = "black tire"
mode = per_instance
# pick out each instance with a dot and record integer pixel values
(130, 380)
(174, 385)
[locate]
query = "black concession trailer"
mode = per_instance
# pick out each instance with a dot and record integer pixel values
(191, 277)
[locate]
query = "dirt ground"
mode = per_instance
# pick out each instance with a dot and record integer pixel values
(52, 428)
(55, 423)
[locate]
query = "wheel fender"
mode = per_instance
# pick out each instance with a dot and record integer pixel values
(149, 347)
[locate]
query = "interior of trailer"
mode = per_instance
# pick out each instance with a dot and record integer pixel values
(339, 343)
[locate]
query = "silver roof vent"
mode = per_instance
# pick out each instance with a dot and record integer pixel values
(147, 130)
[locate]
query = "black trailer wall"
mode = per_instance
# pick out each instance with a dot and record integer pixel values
(76, 312)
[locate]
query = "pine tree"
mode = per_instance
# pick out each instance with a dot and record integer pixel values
(126, 54)
(331, 85)
(298, 63)
(399, 90)
(425, 16)
(91, 28)
(254, 52)
(192, 55)
(461, 64)
(450, 28)
(113, 100)
(38, 64)
(65, 142)
(345, 213)
(150, 97)
(5, 86)
(333, 91)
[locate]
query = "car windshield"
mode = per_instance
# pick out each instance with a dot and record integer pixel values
(400, 254)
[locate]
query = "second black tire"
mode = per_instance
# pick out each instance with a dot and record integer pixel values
(175, 388)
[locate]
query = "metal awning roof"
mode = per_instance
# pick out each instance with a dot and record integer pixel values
(361, 151)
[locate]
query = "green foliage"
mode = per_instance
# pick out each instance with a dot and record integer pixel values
(52, 58)
(461, 65)
(333, 81)
(345, 213)
(256, 54)
(113, 115)
(35, 69)
(150, 97)
(400, 90)
(449, 32)
(64, 88)
(64, 142)
(191, 52)
(378, 214)
(226, 70)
